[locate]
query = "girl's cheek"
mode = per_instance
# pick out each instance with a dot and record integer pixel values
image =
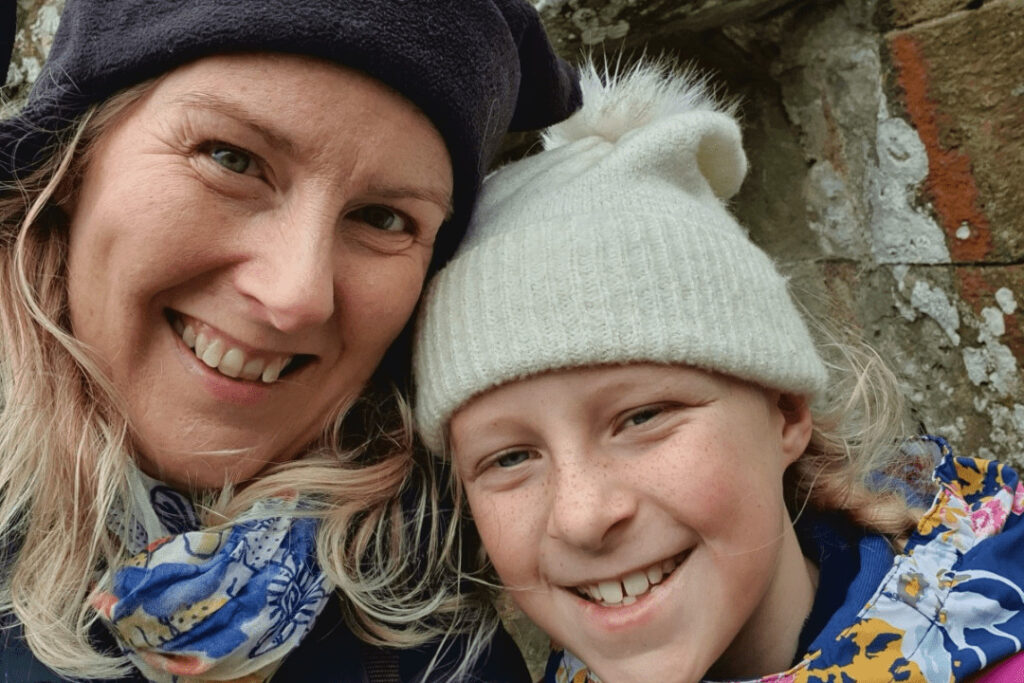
(509, 528)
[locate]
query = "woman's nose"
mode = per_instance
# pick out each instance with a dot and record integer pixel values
(591, 504)
(289, 274)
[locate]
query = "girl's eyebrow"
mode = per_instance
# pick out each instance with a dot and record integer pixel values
(219, 105)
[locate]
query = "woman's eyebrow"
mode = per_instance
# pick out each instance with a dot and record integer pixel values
(433, 195)
(214, 103)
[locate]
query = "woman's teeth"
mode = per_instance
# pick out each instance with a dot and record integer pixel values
(230, 361)
(625, 590)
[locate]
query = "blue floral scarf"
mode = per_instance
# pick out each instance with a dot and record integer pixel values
(194, 605)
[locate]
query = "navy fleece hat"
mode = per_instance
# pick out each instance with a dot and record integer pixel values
(477, 68)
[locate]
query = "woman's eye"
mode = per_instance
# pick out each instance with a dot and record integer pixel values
(381, 218)
(643, 415)
(512, 458)
(234, 160)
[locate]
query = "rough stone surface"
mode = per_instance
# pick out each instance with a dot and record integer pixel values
(37, 22)
(885, 140)
(962, 88)
(899, 13)
(581, 23)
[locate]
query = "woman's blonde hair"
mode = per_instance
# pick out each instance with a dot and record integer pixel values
(65, 443)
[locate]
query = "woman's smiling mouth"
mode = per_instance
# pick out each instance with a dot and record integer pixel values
(624, 590)
(229, 358)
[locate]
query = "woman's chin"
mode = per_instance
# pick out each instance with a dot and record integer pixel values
(209, 469)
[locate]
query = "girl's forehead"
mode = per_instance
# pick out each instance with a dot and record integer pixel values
(588, 393)
(601, 378)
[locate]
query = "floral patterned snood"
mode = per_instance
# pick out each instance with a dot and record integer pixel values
(223, 605)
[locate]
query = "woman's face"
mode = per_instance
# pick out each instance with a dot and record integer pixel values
(247, 241)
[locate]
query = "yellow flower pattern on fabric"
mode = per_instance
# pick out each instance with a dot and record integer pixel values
(876, 656)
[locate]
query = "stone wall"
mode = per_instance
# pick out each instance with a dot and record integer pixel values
(886, 139)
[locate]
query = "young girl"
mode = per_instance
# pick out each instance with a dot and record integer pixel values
(661, 470)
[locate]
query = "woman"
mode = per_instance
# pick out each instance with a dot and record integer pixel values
(215, 218)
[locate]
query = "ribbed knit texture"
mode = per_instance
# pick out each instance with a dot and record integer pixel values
(610, 251)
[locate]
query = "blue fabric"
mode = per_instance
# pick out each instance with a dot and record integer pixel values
(833, 543)
(330, 652)
(873, 555)
(211, 604)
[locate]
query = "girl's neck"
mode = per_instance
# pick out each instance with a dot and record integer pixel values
(768, 642)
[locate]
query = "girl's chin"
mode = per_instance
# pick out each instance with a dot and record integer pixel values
(652, 666)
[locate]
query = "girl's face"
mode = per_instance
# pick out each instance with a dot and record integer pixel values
(660, 484)
(247, 241)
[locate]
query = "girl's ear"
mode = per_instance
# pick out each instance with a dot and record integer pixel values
(797, 425)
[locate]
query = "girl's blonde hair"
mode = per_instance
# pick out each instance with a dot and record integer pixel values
(65, 443)
(855, 463)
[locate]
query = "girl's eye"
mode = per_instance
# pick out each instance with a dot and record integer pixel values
(512, 458)
(381, 218)
(234, 160)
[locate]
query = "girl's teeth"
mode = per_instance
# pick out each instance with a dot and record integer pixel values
(188, 335)
(635, 583)
(631, 586)
(611, 591)
(231, 363)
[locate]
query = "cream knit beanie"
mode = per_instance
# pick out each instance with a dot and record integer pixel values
(612, 246)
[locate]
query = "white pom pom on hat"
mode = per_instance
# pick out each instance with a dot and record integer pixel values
(612, 246)
(618, 104)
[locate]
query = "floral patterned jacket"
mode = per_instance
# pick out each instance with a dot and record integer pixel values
(950, 606)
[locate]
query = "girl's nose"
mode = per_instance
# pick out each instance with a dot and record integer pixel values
(289, 273)
(591, 504)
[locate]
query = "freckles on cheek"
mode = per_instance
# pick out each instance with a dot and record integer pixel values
(506, 533)
(488, 519)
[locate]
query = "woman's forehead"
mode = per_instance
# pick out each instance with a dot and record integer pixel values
(308, 109)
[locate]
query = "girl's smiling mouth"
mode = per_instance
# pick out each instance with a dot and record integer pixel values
(626, 589)
(230, 358)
